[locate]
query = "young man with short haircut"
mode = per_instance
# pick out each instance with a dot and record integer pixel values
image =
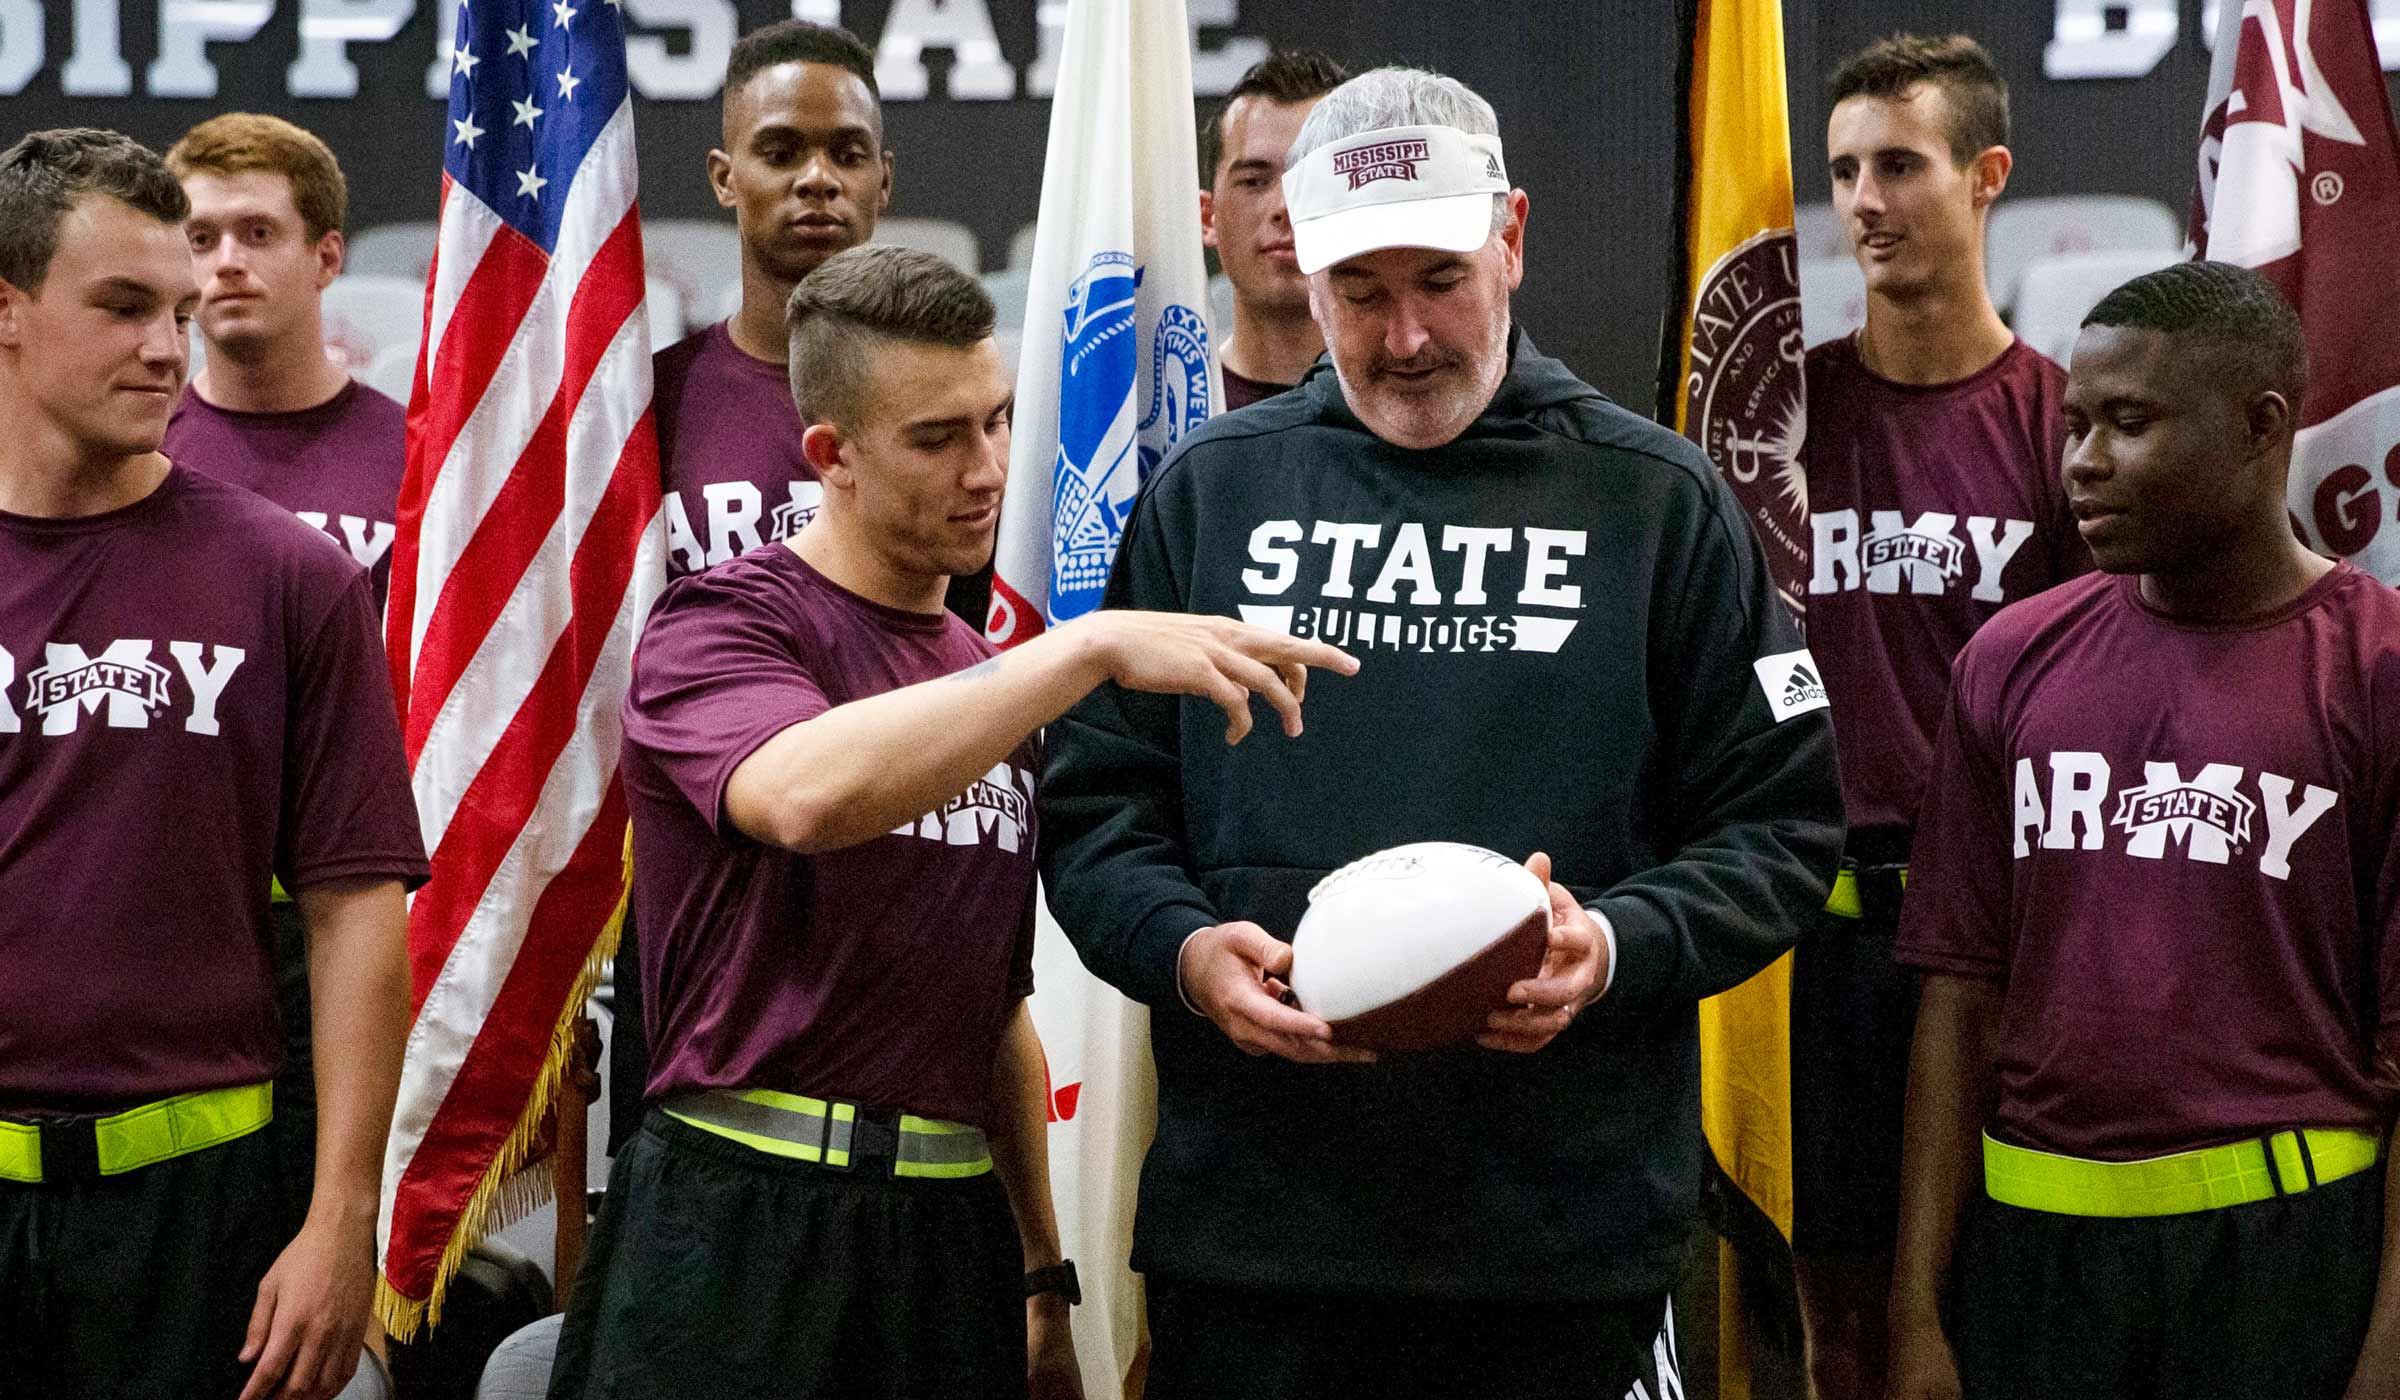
(1933, 493)
(2158, 910)
(842, 1187)
(272, 413)
(804, 170)
(192, 703)
(1272, 340)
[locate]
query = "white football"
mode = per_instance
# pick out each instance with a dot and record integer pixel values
(1412, 948)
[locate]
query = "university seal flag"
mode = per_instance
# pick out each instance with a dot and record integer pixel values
(1115, 370)
(528, 554)
(1731, 378)
(2300, 179)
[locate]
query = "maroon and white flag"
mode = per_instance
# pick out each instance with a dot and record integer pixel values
(2300, 179)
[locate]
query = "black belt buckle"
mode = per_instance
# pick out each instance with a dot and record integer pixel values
(875, 1141)
(70, 1150)
(1880, 888)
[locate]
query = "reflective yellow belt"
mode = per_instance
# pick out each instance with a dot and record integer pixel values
(1845, 901)
(141, 1136)
(2238, 1173)
(831, 1133)
(276, 893)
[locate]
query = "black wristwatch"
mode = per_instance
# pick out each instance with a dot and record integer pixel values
(1059, 1278)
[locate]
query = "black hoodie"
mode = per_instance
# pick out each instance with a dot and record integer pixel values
(1568, 643)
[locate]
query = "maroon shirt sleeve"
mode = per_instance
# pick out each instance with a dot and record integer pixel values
(2383, 919)
(348, 810)
(715, 678)
(1020, 955)
(1955, 918)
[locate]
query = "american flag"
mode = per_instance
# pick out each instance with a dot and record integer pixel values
(528, 554)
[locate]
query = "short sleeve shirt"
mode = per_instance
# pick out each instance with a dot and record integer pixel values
(1931, 507)
(882, 973)
(192, 699)
(729, 449)
(2178, 848)
(337, 466)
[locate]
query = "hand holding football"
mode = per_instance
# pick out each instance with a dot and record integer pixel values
(1415, 947)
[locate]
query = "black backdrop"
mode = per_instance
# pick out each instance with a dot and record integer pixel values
(1583, 89)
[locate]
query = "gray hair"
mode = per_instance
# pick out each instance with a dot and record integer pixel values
(1385, 97)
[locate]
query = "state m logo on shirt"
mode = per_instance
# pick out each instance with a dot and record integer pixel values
(122, 682)
(1925, 552)
(2207, 816)
(996, 810)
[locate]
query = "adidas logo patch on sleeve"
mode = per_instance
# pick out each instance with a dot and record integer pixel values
(1790, 682)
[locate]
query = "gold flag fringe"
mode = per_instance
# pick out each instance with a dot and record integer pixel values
(508, 1192)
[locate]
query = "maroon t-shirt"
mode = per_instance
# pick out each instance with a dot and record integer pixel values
(192, 699)
(1931, 507)
(2178, 847)
(336, 466)
(1241, 391)
(881, 973)
(729, 452)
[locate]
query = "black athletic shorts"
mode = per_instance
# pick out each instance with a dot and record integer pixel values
(628, 1042)
(1209, 1343)
(719, 1270)
(1854, 1012)
(2270, 1298)
(139, 1286)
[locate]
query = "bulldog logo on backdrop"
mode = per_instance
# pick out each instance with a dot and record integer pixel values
(1103, 454)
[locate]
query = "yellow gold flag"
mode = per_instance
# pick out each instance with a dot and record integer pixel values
(1731, 379)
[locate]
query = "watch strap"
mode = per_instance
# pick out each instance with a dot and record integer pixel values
(1058, 1278)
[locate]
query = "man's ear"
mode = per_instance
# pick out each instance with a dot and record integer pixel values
(333, 251)
(821, 445)
(1990, 172)
(2270, 421)
(1208, 219)
(883, 200)
(720, 178)
(12, 302)
(1512, 238)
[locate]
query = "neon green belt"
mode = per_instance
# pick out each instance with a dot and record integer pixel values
(1845, 902)
(2236, 1174)
(276, 894)
(155, 1132)
(830, 1133)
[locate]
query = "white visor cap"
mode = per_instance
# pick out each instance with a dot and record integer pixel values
(1400, 187)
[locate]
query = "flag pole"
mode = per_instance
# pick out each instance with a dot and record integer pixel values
(1675, 327)
(570, 1156)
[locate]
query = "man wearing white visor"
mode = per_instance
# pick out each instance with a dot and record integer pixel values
(1568, 645)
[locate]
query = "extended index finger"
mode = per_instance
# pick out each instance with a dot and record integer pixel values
(1282, 647)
